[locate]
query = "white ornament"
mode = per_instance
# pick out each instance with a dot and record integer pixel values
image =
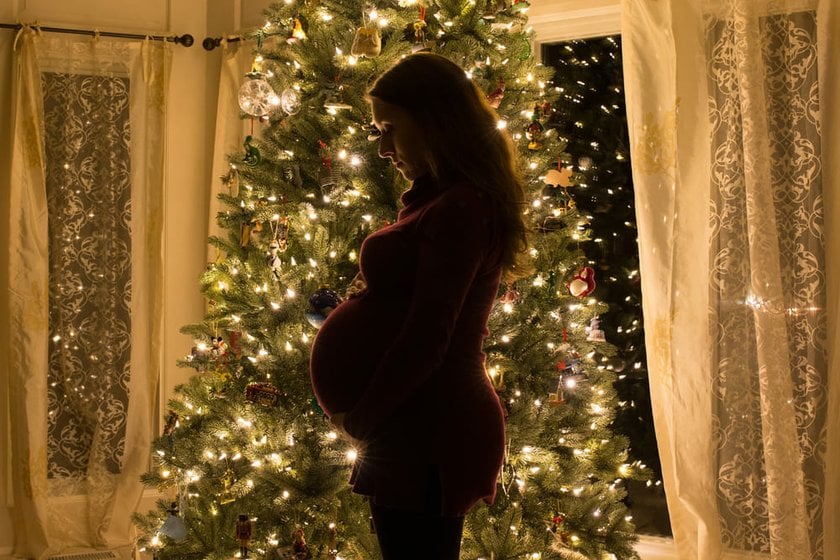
(174, 526)
(290, 101)
(256, 96)
(595, 332)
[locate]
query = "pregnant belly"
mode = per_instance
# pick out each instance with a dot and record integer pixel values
(348, 347)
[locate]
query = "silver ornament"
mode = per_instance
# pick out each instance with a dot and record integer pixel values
(257, 97)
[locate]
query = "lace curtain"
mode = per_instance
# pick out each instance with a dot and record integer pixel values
(732, 145)
(87, 134)
(85, 285)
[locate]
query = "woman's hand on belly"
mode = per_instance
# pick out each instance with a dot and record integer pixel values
(357, 287)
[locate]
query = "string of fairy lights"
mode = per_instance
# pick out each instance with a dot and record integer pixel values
(244, 441)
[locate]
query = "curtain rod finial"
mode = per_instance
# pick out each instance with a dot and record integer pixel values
(185, 40)
(211, 43)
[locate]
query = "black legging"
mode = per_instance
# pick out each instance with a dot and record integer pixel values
(413, 535)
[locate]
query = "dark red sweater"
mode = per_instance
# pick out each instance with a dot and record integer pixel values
(405, 359)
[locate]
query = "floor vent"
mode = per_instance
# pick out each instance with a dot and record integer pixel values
(85, 556)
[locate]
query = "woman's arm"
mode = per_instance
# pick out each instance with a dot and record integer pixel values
(454, 239)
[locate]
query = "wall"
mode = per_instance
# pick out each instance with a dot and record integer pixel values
(187, 140)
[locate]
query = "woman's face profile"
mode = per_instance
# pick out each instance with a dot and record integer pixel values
(402, 139)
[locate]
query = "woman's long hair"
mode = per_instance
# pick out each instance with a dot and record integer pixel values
(464, 142)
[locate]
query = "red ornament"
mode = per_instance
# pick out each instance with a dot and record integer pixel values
(264, 394)
(496, 96)
(243, 534)
(234, 337)
(583, 283)
(509, 296)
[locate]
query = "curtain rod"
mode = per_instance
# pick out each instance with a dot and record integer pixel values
(210, 43)
(185, 40)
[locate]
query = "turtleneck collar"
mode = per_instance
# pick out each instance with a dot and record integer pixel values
(422, 189)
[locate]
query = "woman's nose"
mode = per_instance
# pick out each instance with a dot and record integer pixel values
(386, 148)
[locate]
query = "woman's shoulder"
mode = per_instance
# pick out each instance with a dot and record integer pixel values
(460, 209)
(464, 195)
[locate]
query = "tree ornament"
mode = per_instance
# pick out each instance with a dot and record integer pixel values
(534, 130)
(234, 337)
(328, 174)
(556, 398)
(419, 26)
(321, 304)
(557, 179)
(560, 177)
(545, 107)
(252, 153)
(556, 522)
(298, 550)
(519, 6)
(256, 96)
(290, 101)
(313, 402)
(551, 223)
(583, 283)
(274, 262)
(584, 163)
(496, 96)
(249, 232)
(198, 356)
(492, 8)
(283, 233)
(298, 32)
(232, 181)
(226, 495)
(335, 100)
(174, 526)
(243, 534)
(262, 393)
(299, 545)
(367, 42)
(170, 426)
(595, 332)
(510, 296)
(220, 347)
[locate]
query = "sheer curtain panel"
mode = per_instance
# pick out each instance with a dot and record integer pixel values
(85, 281)
(733, 123)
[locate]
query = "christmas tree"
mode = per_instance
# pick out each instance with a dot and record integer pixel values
(252, 465)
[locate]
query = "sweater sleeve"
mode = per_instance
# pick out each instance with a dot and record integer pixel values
(454, 236)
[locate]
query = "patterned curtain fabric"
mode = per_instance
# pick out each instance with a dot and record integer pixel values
(733, 131)
(85, 285)
(87, 134)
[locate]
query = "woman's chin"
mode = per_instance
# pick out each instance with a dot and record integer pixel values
(407, 173)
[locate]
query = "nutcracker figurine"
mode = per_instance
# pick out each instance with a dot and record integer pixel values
(243, 534)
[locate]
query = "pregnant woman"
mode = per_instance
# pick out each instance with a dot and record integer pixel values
(398, 367)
